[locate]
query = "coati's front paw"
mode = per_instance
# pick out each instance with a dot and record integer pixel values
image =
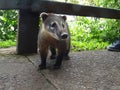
(42, 67)
(56, 67)
(53, 57)
(66, 57)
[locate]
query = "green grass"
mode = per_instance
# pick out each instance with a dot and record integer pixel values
(8, 43)
(91, 45)
(75, 45)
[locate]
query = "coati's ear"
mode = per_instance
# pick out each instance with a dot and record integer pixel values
(43, 16)
(64, 17)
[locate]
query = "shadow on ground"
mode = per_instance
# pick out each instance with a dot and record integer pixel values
(87, 70)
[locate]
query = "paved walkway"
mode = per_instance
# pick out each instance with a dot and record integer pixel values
(87, 70)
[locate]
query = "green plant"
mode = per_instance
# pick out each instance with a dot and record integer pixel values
(6, 44)
(8, 24)
(93, 33)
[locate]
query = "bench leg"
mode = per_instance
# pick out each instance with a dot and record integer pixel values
(27, 32)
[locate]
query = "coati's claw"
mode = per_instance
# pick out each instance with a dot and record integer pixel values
(41, 67)
(53, 57)
(56, 67)
(66, 57)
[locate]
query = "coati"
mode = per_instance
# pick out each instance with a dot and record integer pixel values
(54, 34)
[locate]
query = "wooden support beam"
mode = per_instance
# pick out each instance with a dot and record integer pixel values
(28, 32)
(75, 9)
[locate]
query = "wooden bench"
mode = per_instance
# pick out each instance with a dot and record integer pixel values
(29, 11)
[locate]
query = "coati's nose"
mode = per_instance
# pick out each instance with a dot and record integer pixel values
(64, 35)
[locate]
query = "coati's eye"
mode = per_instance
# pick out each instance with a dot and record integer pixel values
(53, 25)
(63, 25)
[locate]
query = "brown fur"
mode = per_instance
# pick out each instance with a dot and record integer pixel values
(48, 38)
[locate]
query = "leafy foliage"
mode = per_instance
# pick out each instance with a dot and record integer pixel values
(89, 34)
(8, 24)
(106, 3)
(95, 33)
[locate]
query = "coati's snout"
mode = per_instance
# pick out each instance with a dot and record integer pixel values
(64, 35)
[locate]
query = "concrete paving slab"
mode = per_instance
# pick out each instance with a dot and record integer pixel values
(87, 70)
(17, 73)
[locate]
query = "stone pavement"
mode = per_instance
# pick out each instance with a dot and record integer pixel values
(87, 70)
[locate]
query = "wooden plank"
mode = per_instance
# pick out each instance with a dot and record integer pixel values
(74, 9)
(8, 4)
(15, 4)
(60, 8)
